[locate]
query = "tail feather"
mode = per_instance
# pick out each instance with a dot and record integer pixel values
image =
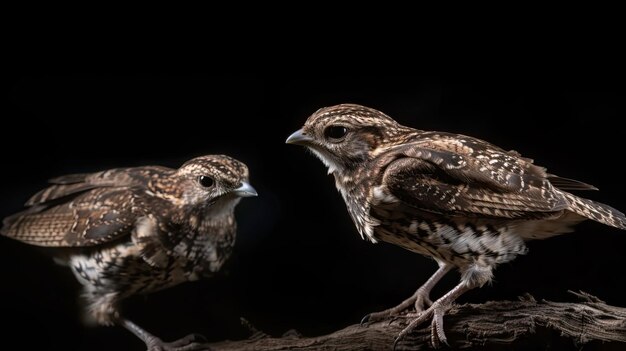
(596, 211)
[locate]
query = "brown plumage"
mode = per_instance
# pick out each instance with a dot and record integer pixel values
(136, 230)
(460, 200)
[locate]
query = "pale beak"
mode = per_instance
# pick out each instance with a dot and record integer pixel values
(245, 190)
(299, 138)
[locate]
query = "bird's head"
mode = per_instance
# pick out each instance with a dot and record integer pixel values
(344, 136)
(214, 181)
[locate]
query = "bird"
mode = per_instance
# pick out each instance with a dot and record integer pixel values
(462, 201)
(130, 231)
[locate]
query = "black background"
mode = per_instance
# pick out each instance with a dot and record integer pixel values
(299, 261)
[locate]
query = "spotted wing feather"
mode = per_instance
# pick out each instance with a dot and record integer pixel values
(465, 176)
(473, 160)
(422, 185)
(73, 184)
(83, 209)
(94, 217)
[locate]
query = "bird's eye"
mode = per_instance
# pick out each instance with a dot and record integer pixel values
(335, 132)
(206, 181)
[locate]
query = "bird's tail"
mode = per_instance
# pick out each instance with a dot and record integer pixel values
(596, 211)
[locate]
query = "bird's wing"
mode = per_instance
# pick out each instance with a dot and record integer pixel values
(93, 217)
(569, 184)
(466, 176)
(83, 209)
(74, 184)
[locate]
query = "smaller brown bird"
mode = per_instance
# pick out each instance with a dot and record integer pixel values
(137, 230)
(464, 202)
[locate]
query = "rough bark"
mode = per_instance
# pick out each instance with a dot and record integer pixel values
(589, 324)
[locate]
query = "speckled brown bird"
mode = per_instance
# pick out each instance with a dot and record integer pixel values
(464, 202)
(137, 230)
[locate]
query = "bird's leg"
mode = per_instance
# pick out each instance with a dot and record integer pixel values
(420, 299)
(422, 295)
(436, 311)
(190, 342)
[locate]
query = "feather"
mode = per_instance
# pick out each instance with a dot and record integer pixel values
(93, 217)
(569, 184)
(596, 211)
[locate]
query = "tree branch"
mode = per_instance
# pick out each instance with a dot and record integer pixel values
(495, 325)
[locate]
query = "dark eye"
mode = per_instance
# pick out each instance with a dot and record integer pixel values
(206, 181)
(335, 132)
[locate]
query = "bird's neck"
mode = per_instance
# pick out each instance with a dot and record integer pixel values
(345, 179)
(222, 208)
(351, 178)
(353, 185)
(205, 219)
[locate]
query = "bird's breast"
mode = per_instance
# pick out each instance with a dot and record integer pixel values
(203, 250)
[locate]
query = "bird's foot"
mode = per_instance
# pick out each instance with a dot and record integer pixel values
(191, 342)
(436, 312)
(419, 300)
(422, 301)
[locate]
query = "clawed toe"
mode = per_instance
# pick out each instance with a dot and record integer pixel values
(365, 319)
(375, 317)
(438, 336)
(394, 311)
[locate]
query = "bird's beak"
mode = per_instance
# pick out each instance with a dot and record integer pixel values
(299, 138)
(245, 190)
